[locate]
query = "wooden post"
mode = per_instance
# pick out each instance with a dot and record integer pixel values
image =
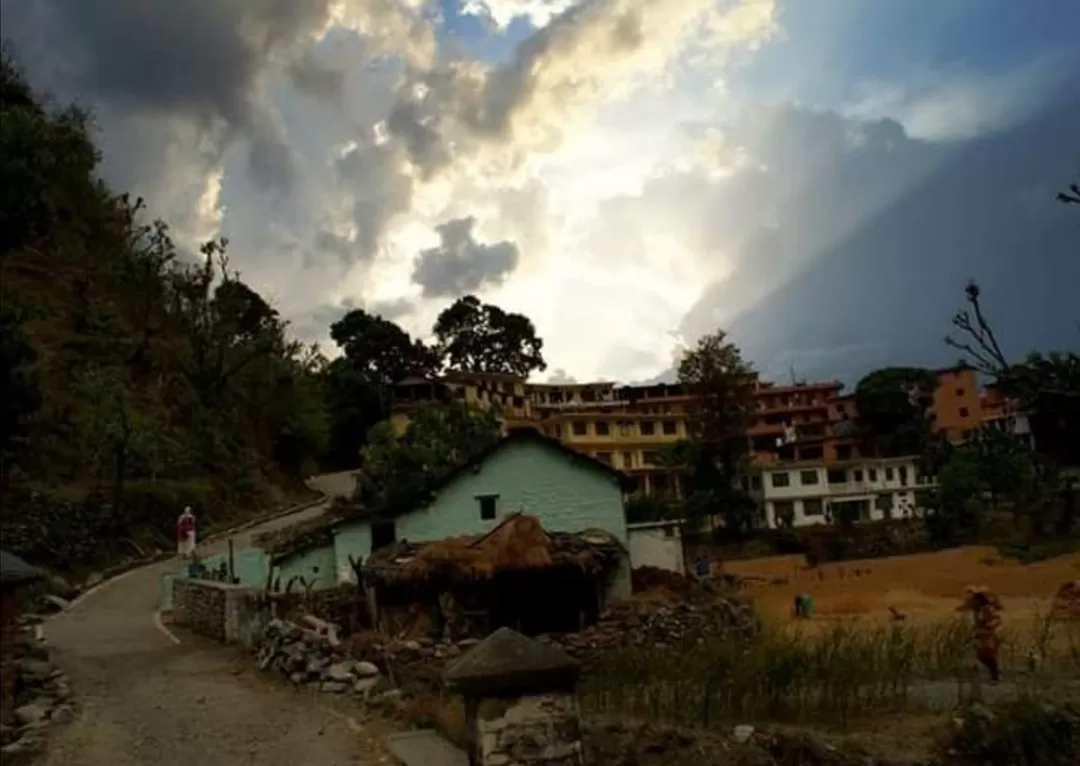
(232, 563)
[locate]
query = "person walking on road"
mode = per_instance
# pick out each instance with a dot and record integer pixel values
(185, 534)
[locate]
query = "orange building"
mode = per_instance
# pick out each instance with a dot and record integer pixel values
(957, 408)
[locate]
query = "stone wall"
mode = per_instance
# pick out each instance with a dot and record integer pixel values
(233, 614)
(530, 730)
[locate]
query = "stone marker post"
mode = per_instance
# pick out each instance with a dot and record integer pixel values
(520, 703)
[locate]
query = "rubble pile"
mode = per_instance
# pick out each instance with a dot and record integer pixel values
(640, 623)
(42, 696)
(311, 654)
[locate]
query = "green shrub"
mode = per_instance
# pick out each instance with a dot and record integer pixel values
(1025, 732)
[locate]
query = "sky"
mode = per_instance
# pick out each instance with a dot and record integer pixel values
(630, 174)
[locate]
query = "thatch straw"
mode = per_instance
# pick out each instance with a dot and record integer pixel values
(518, 543)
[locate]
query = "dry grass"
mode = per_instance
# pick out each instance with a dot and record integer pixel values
(519, 542)
(927, 587)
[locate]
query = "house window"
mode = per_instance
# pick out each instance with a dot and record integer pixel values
(813, 507)
(963, 412)
(837, 476)
(602, 428)
(650, 457)
(648, 428)
(884, 502)
(873, 474)
(755, 482)
(489, 506)
(604, 457)
(857, 475)
(888, 474)
(781, 479)
(669, 428)
(556, 431)
(808, 477)
(903, 475)
(626, 428)
(383, 533)
(784, 510)
(959, 392)
(580, 428)
(628, 460)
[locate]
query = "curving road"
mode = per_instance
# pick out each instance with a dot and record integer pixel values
(146, 699)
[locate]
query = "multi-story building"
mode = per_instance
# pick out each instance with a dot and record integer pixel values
(815, 492)
(798, 430)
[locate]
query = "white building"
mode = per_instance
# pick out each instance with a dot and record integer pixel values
(815, 493)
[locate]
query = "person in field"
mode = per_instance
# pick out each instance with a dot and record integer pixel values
(185, 534)
(986, 610)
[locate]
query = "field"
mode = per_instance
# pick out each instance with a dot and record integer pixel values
(925, 587)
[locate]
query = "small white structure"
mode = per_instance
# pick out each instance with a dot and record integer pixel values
(656, 544)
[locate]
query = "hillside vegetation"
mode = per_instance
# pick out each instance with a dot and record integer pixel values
(138, 379)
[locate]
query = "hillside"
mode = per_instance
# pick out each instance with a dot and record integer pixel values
(884, 292)
(140, 379)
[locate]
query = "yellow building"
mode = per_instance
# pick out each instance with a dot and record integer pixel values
(623, 426)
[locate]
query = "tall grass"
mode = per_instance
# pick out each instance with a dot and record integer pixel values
(834, 674)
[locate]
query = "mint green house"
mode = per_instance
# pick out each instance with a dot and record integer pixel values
(525, 472)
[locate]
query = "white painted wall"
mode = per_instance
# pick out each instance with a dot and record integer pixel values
(656, 545)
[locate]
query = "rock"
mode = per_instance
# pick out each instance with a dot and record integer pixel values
(743, 733)
(365, 686)
(94, 579)
(62, 714)
(28, 714)
(386, 699)
(412, 646)
(20, 748)
(334, 687)
(316, 665)
(35, 670)
(339, 671)
(58, 602)
(365, 670)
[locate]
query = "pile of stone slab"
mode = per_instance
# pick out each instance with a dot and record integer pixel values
(642, 624)
(42, 698)
(309, 653)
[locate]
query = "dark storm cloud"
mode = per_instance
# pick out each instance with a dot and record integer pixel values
(460, 264)
(319, 80)
(199, 61)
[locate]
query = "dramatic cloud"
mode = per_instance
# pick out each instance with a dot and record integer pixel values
(460, 264)
(611, 153)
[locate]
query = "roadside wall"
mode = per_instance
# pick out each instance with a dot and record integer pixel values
(233, 614)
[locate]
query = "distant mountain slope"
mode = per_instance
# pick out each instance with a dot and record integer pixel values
(885, 292)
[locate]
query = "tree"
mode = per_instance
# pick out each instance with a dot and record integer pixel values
(955, 509)
(1071, 196)
(721, 384)
(894, 409)
(1046, 386)
(398, 470)
(377, 353)
(478, 337)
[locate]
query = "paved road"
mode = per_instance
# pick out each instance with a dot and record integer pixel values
(146, 700)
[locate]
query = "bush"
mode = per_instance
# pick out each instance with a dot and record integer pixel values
(1026, 732)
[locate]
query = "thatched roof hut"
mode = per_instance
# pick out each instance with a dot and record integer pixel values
(519, 543)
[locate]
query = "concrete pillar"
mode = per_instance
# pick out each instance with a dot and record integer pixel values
(520, 702)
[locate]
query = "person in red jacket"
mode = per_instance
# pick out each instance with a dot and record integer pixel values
(185, 534)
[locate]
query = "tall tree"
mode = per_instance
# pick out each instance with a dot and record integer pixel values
(478, 337)
(722, 385)
(1045, 385)
(894, 406)
(376, 353)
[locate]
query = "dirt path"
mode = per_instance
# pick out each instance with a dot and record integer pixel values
(148, 700)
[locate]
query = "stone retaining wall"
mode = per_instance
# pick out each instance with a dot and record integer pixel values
(234, 614)
(532, 730)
